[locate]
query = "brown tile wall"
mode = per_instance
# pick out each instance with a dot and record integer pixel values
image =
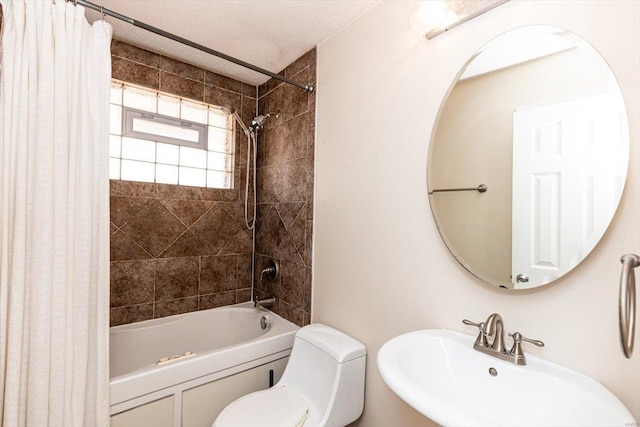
(285, 189)
(176, 249)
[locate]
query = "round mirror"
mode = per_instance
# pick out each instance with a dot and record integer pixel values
(529, 157)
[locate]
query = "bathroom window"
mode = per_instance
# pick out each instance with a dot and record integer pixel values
(162, 138)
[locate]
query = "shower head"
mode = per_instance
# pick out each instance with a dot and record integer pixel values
(232, 111)
(258, 121)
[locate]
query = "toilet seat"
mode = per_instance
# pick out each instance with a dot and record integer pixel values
(276, 407)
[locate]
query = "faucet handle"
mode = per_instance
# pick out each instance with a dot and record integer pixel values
(516, 350)
(470, 323)
(518, 337)
(482, 337)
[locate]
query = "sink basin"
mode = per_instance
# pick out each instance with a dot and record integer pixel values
(439, 374)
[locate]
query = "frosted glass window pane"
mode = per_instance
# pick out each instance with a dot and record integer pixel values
(135, 159)
(193, 157)
(167, 153)
(114, 146)
(116, 93)
(166, 174)
(115, 119)
(219, 140)
(138, 149)
(218, 161)
(194, 112)
(220, 119)
(218, 179)
(169, 106)
(192, 177)
(163, 129)
(114, 168)
(139, 99)
(131, 170)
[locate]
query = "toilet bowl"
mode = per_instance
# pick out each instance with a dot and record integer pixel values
(322, 385)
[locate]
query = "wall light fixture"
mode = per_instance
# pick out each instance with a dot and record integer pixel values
(443, 15)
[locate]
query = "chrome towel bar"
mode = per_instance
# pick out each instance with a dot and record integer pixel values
(482, 188)
(627, 312)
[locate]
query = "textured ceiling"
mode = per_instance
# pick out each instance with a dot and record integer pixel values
(268, 33)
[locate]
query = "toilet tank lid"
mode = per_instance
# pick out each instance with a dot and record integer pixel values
(336, 344)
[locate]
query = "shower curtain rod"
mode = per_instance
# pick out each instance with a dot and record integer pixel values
(190, 43)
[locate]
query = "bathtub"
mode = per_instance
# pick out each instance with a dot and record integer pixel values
(162, 358)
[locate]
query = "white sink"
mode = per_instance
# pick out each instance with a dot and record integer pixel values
(440, 374)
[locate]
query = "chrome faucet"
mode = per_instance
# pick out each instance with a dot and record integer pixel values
(494, 327)
(267, 302)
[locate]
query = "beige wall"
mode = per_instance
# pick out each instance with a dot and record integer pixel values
(380, 267)
(475, 133)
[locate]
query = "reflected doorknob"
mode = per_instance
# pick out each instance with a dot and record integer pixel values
(522, 278)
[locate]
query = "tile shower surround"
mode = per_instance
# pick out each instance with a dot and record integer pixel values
(176, 249)
(285, 189)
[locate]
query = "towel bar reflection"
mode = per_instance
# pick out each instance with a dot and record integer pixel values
(482, 188)
(627, 311)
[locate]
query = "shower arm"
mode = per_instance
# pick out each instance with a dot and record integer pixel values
(190, 43)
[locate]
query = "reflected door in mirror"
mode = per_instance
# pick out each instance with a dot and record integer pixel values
(560, 169)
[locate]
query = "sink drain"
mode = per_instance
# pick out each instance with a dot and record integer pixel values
(493, 372)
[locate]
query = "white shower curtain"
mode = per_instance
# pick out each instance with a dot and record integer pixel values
(54, 216)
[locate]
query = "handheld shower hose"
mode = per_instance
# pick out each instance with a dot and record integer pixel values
(252, 147)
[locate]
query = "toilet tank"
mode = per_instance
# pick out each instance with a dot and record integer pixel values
(328, 367)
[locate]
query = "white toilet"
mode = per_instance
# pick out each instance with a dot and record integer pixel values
(322, 385)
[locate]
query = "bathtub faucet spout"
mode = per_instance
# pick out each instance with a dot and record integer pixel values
(268, 302)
